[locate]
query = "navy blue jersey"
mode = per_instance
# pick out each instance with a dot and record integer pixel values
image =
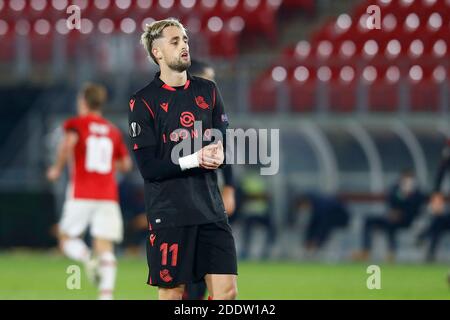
(161, 117)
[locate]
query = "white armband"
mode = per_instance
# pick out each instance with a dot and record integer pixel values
(189, 162)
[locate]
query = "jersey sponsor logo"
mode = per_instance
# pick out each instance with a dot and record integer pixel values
(164, 106)
(187, 119)
(193, 133)
(207, 134)
(132, 101)
(165, 275)
(182, 134)
(135, 130)
(200, 101)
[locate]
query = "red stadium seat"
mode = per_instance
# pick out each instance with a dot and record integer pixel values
(238, 16)
(41, 41)
(304, 4)
(15, 9)
(383, 91)
(303, 88)
(424, 93)
(416, 31)
(342, 89)
(7, 39)
(263, 94)
(223, 41)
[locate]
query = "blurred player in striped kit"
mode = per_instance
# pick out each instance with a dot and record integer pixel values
(94, 150)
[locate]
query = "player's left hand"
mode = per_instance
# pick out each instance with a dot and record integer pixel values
(219, 152)
(53, 174)
(211, 156)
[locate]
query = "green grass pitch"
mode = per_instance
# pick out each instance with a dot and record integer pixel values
(26, 275)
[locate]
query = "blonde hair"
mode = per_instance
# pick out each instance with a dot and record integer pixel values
(94, 94)
(154, 31)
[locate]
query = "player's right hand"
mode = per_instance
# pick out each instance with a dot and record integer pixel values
(53, 174)
(211, 156)
(437, 203)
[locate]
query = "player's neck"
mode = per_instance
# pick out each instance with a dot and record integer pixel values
(94, 113)
(173, 78)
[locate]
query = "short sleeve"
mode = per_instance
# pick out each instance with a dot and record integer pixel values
(120, 150)
(141, 122)
(71, 125)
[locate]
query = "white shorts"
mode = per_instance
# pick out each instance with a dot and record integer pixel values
(103, 217)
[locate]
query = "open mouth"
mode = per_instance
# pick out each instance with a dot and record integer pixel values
(185, 55)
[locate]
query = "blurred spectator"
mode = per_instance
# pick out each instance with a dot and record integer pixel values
(327, 213)
(440, 221)
(255, 210)
(439, 225)
(404, 201)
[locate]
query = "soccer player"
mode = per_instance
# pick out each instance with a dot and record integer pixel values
(95, 149)
(196, 290)
(440, 222)
(190, 238)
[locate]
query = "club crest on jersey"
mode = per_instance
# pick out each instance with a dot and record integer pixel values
(135, 130)
(200, 101)
(165, 275)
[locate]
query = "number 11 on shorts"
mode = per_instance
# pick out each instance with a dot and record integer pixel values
(173, 249)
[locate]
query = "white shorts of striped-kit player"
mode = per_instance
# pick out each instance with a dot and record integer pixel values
(104, 219)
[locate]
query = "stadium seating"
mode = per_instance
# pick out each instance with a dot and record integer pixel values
(401, 65)
(7, 35)
(222, 21)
